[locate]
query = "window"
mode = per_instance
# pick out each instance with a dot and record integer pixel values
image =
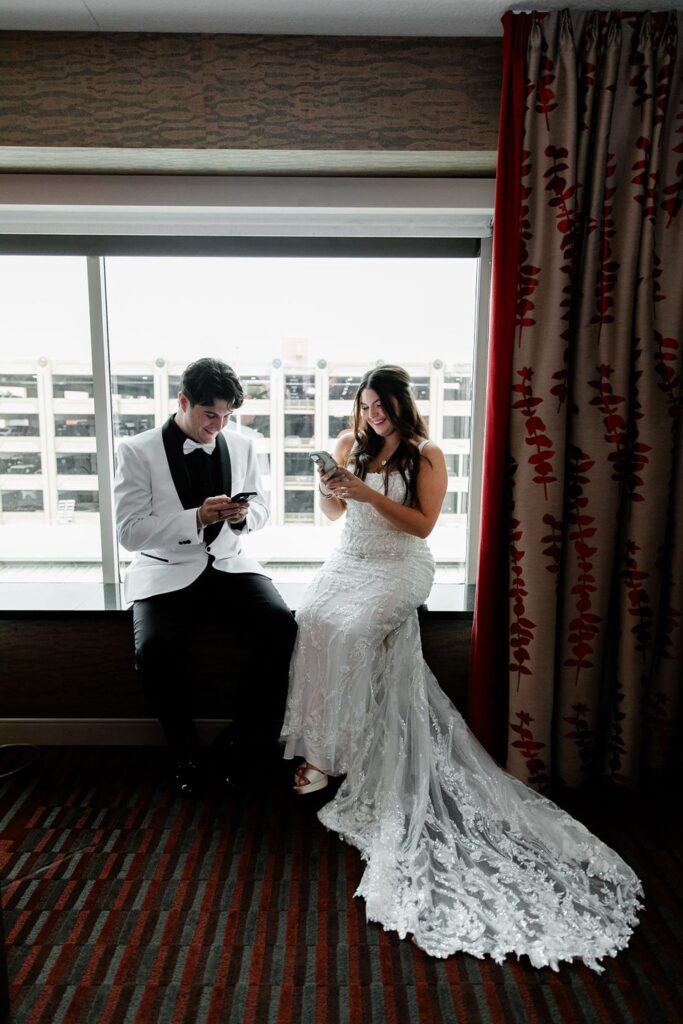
(299, 392)
(22, 501)
(338, 424)
(74, 425)
(343, 388)
(458, 465)
(83, 501)
(47, 422)
(420, 388)
(298, 467)
(19, 425)
(17, 385)
(458, 388)
(254, 426)
(455, 503)
(126, 425)
(256, 387)
(72, 386)
(300, 354)
(298, 506)
(456, 426)
(28, 462)
(299, 429)
(129, 387)
(82, 464)
(450, 504)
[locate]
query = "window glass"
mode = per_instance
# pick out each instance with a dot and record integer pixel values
(72, 386)
(299, 429)
(83, 501)
(300, 354)
(299, 506)
(458, 388)
(19, 424)
(420, 388)
(299, 392)
(126, 425)
(256, 387)
(131, 387)
(456, 426)
(75, 425)
(298, 465)
(18, 385)
(343, 388)
(20, 464)
(255, 426)
(449, 506)
(22, 501)
(81, 464)
(338, 424)
(47, 416)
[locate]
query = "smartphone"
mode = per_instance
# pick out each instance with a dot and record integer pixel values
(325, 460)
(243, 496)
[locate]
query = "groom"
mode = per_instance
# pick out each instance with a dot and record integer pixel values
(173, 493)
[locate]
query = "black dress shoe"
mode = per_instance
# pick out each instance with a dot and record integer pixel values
(225, 782)
(187, 776)
(222, 763)
(225, 770)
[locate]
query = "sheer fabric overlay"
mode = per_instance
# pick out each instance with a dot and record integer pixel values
(459, 854)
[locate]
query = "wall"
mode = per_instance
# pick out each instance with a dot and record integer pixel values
(73, 680)
(250, 104)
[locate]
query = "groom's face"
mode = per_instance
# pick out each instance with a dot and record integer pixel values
(202, 422)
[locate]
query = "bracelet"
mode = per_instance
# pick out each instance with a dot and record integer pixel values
(326, 494)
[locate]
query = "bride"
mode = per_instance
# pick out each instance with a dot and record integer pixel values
(458, 853)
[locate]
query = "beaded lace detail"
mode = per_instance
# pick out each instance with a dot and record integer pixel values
(458, 853)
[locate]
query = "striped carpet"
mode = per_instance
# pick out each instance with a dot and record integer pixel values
(122, 904)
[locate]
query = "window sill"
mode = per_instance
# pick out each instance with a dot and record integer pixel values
(21, 600)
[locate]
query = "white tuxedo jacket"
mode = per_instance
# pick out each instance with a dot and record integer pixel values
(156, 518)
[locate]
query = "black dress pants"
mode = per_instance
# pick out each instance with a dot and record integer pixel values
(257, 623)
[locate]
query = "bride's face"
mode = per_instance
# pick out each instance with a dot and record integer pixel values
(373, 412)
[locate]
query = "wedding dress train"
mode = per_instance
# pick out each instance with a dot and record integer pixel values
(459, 854)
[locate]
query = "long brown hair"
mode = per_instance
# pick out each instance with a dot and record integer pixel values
(390, 383)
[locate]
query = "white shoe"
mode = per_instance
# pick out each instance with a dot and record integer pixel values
(309, 779)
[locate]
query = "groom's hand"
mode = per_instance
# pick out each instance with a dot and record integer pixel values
(236, 512)
(214, 510)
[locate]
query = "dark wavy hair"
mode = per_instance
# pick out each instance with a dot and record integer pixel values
(209, 380)
(391, 383)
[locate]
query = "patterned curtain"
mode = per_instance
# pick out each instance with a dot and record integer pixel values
(589, 481)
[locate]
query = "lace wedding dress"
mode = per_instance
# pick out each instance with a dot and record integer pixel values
(459, 854)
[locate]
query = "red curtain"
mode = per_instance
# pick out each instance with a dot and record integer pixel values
(578, 634)
(487, 705)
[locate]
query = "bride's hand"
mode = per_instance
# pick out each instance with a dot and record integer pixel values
(345, 485)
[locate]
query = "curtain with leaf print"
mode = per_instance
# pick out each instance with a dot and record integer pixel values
(585, 499)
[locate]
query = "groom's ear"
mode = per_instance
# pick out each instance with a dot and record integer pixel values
(183, 400)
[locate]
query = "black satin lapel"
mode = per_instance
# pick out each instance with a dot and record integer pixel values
(226, 467)
(177, 465)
